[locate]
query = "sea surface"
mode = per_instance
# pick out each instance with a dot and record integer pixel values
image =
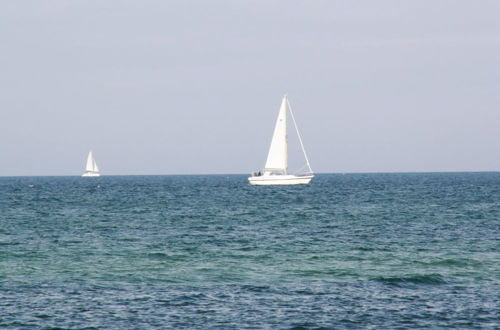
(353, 251)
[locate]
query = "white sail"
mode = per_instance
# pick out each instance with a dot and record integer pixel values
(90, 163)
(277, 158)
(96, 169)
(300, 139)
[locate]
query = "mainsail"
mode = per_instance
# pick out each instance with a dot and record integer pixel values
(91, 165)
(277, 158)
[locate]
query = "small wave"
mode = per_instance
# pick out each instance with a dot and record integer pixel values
(306, 325)
(430, 279)
(324, 272)
(129, 239)
(157, 255)
(457, 262)
(8, 243)
(247, 248)
(362, 248)
(370, 249)
(255, 288)
(164, 256)
(451, 262)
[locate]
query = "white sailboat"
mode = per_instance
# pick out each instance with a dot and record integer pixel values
(91, 168)
(276, 169)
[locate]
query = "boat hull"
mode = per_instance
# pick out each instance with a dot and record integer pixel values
(90, 174)
(274, 180)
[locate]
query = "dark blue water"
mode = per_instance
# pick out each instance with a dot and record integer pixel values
(347, 251)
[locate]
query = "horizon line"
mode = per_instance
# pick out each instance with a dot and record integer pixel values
(214, 174)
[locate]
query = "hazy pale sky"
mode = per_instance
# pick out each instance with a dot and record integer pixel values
(181, 87)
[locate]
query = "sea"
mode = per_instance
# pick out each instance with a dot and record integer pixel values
(348, 251)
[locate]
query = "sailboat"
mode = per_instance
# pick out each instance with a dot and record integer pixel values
(91, 168)
(276, 168)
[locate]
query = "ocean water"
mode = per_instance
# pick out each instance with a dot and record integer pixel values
(354, 251)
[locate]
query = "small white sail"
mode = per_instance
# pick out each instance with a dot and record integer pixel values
(277, 158)
(300, 139)
(90, 163)
(91, 168)
(96, 169)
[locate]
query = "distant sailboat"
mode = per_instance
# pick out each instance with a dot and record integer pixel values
(276, 169)
(91, 168)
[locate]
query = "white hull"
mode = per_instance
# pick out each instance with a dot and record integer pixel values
(90, 174)
(273, 180)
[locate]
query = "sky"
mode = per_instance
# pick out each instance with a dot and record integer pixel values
(194, 87)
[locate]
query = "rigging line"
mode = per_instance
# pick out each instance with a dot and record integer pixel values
(298, 134)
